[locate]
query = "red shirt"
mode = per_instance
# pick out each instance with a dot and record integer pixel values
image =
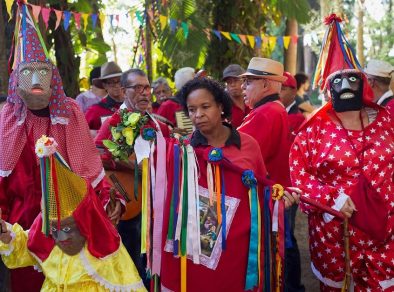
(231, 264)
(168, 109)
(238, 115)
(106, 107)
(269, 125)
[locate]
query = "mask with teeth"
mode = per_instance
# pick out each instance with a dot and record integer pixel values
(346, 91)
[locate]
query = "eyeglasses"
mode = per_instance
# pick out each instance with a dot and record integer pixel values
(139, 87)
(249, 81)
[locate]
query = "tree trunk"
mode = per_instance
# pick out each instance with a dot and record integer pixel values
(3, 54)
(324, 8)
(148, 42)
(360, 32)
(291, 53)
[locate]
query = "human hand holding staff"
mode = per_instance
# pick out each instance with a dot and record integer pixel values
(5, 234)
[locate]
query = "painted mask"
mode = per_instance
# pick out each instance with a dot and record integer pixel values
(68, 238)
(346, 92)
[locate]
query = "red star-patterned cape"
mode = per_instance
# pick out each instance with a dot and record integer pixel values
(324, 165)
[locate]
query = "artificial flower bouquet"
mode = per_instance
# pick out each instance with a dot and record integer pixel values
(126, 126)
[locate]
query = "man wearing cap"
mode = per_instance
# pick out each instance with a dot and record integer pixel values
(267, 122)
(287, 97)
(88, 98)
(110, 81)
(234, 88)
(379, 75)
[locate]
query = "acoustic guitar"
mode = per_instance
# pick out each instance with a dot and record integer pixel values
(123, 182)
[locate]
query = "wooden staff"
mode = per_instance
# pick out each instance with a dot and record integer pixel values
(348, 274)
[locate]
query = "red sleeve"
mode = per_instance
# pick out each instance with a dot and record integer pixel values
(103, 191)
(4, 200)
(304, 174)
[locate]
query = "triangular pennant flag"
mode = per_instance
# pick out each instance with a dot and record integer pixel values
(59, 14)
(243, 39)
(286, 41)
(85, 20)
(36, 10)
(77, 17)
(264, 40)
(111, 20)
(117, 18)
(139, 17)
(163, 21)
(173, 24)
(94, 20)
(235, 37)
(208, 33)
(226, 35)
(102, 19)
(150, 13)
(8, 4)
(279, 41)
(251, 40)
(45, 12)
(271, 43)
(217, 33)
(185, 28)
(294, 39)
(258, 41)
(66, 21)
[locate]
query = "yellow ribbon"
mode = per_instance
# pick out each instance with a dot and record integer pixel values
(183, 273)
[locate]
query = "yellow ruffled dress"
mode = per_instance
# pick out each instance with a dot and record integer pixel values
(81, 272)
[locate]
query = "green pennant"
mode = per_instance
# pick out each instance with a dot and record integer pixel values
(185, 28)
(235, 37)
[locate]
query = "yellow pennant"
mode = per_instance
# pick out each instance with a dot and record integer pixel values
(163, 21)
(286, 41)
(271, 43)
(226, 35)
(9, 3)
(251, 40)
(102, 19)
(85, 20)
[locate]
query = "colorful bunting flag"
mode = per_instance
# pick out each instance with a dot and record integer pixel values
(163, 21)
(173, 24)
(271, 43)
(85, 20)
(226, 35)
(45, 13)
(36, 10)
(258, 41)
(77, 17)
(217, 33)
(139, 17)
(294, 39)
(243, 39)
(235, 37)
(66, 20)
(59, 15)
(279, 41)
(102, 19)
(185, 28)
(251, 40)
(8, 4)
(286, 42)
(94, 20)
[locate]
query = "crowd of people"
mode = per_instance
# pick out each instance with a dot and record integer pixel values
(339, 155)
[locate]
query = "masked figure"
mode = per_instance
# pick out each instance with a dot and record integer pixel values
(37, 105)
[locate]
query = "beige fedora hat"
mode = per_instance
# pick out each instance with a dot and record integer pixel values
(265, 68)
(379, 68)
(108, 70)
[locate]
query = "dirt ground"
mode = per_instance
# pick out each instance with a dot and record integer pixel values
(301, 233)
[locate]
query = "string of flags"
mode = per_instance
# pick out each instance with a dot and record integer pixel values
(81, 21)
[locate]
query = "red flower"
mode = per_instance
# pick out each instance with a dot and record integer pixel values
(115, 119)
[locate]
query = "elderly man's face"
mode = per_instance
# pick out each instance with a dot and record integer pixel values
(253, 90)
(346, 92)
(68, 238)
(34, 84)
(162, 92)
(113, 88)
(138, 92)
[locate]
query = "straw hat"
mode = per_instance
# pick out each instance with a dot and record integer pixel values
(379, 68)
(108, 70)
(265, 68)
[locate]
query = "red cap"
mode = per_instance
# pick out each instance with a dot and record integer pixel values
(290, 81)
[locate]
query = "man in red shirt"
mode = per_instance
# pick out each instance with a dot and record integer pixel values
(110, 81)
(287, 97)
(234, 88)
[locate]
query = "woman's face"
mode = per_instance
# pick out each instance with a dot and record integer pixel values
(204, 111)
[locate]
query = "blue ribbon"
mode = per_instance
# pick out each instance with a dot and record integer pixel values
(267, 241)
(223, 207)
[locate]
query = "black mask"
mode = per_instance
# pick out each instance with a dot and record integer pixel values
(347, 92)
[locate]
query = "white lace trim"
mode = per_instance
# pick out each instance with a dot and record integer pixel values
(98, 178)
(10, 245)
(103, 282)
(5, 173)
(59, 120)
(387, 283)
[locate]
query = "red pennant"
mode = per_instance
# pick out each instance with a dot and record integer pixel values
(59, 14)
(294, 39)
(77, 17)
(36, 10)
(45, 13)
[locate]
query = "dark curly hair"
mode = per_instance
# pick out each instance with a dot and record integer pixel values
(214, 87)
